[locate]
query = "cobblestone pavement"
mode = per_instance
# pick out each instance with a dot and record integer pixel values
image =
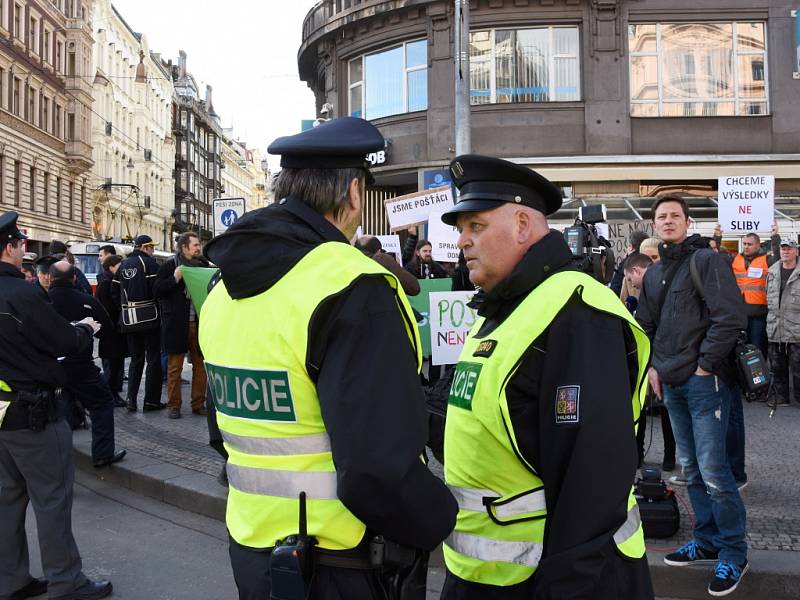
(771, 496)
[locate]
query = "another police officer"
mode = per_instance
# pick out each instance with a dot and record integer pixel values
(313, 354)
(36, 462)
(540, 441)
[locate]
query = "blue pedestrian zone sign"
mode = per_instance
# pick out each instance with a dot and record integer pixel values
(226, 212)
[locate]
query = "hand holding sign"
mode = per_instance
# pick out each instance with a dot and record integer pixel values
(415, 208)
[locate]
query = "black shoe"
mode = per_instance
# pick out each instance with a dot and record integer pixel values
(148, 407)
(91, 590)
(119, 402)
(668, 464)
(690, 554)
(130, 405)
(727, 576)
(104, 462)
(35, 587)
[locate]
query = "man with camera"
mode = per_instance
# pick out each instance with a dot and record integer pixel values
(693, 336)
(133, 288)
(540, 440)
(36, 463)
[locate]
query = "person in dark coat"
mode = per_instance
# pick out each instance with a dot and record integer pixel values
(113, 346)
(60, 250)
(179, 324)
(132, 289)
(36, 466)
(422, 266)
(85, 384)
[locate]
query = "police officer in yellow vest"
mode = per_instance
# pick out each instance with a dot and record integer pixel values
(540, 442)
(312, 353)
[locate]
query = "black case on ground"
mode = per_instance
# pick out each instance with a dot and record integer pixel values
(660, 518)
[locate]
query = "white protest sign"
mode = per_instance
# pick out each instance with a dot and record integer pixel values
(746, 203)
(226, 212)
(391, 244)
(450, 320)
(443, 239)
(619, 234)
(412, 209)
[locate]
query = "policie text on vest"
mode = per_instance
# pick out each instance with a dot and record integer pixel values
(251, 393)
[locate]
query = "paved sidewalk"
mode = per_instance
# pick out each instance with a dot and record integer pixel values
(170, 460)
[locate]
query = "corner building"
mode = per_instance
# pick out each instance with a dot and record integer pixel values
(614, 100)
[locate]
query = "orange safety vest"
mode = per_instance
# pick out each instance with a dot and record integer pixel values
(752, 281)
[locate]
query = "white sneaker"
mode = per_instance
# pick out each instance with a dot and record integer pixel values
(678, 480)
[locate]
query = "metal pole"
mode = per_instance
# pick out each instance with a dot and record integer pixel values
(461, 55)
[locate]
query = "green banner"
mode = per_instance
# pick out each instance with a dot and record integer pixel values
(422, 304)
(197, 279)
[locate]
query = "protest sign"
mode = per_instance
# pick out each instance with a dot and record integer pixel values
(451, 319)
(746, 203)
(619, 234)
(443, 239)
(412, 209)
(196, 279)
(421, 303)
(391, 244)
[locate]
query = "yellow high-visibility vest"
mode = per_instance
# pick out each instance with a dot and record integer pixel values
(499, 533)
(268, 410)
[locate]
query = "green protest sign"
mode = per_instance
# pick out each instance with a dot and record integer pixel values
(197, 279)
(421, 303)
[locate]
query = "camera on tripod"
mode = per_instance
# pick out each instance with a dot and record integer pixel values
(592, 252)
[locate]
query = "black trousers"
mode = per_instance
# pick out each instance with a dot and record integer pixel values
(114, 371)
(145, 345)
(251, 573)
(666, 429)
(88, 386)
(784, 360)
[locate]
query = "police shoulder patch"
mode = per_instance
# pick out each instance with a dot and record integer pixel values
(568, 398)
(485, 348)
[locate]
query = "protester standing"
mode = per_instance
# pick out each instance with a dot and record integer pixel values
(422, 266)
(179, 322)
(372, 247)
(132, 289)
(783, 324)
(113, 347)
(692, 371)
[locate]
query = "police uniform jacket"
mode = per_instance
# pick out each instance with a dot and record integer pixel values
(74, 305)
(585, 492)
(373, 411)
(32, 336)
(134, 282)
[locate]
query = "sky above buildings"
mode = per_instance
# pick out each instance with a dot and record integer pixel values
(246, 50)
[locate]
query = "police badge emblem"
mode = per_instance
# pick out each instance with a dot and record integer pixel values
(568, 404)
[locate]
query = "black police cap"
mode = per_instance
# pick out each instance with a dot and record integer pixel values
(485, 182)
(8, 228)
(336, 144)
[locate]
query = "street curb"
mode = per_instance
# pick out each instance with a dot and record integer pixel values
(773, 575)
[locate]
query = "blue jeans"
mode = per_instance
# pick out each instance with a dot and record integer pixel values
(698, 410)
(757, 333)
(734, 440)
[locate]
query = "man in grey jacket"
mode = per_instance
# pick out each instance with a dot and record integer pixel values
(693, 337)
(783, 322)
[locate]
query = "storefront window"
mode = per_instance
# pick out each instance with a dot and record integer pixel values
(538, 64)
(389, 82)
(698, 69)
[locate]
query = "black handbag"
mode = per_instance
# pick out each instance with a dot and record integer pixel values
(141, 315)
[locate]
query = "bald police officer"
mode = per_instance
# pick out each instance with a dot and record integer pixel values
(35, 443)
(313, 356)
(540, 441)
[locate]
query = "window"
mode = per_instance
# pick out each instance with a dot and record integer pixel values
(46, 48)
(30, 94)
(46, 114)
(46, 191)
(698, 69)
(32, 175)
(17, 21)
(538, 64)
(58, 196)
(17, 182)
(15, 103)
(389, 82)
(2, 85)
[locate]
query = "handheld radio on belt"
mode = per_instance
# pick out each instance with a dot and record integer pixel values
(291, 564)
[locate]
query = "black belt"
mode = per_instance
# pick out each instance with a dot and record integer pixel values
(343, 560)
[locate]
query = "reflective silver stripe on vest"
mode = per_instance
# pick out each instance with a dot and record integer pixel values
(491, 550)
(629, 527)
(318, 485)
(471, 499)
(753, 288)
(288, 446)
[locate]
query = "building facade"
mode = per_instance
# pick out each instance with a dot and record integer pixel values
(615, 100)
(198, 148)
(45, 117)
(133, 148)
(243, 175)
